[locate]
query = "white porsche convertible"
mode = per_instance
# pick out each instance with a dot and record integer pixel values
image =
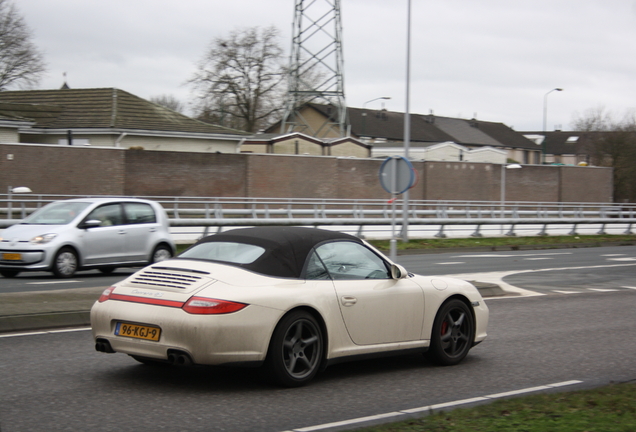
(292, 300)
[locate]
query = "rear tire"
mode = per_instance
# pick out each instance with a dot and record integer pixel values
(65, 263)
(9, 273)
(295, 351)
(161, 253)
(453, 333)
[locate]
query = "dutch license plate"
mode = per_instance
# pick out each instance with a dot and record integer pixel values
(138, 331)
(11, 256)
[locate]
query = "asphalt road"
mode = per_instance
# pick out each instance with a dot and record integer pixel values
(595, 267)
(57, 382)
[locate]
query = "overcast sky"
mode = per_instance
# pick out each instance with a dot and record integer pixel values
(493, 59)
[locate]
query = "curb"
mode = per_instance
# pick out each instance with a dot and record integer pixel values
(508, 248)
(18, 323)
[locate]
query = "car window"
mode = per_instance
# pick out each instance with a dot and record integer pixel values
(315, 268)
(236, 253)
(57, 213)
(139, 213)
(348, 260)
(108, 215)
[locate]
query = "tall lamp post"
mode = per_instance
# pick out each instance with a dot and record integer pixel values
(545, 121)
(505, 167)
(15, 190)
(407, 121)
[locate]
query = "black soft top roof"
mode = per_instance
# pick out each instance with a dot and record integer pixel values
(286, 248)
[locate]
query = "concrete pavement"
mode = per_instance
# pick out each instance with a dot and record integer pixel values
(35, 310)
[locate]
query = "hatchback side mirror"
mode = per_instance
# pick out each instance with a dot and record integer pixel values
(398, 272)
(92, 223)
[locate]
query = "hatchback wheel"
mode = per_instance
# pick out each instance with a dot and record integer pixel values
(65, 263)
(161, 253)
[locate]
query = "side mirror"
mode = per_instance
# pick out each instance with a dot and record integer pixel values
(92, 223)
(398, 272)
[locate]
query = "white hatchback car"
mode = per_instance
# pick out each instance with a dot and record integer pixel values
(84, 233)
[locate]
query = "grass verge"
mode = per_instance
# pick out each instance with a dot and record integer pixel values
(513, 242)
(606, 409)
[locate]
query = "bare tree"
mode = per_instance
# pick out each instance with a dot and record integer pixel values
(21, 63)
(611, 142)
(239, 82)
(170, 102)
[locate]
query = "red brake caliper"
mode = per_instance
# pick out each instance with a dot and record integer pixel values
(444, 327)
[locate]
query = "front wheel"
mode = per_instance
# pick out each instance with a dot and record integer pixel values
(65, 263)
(295, 351)
(453, 333)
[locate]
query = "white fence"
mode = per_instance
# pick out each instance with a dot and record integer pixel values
(194, 216)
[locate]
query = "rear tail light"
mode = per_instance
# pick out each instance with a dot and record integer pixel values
(208, 306)
(106, 294)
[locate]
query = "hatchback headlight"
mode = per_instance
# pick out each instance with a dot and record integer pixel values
(44, 238)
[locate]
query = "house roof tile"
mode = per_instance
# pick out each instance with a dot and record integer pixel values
(99, 108)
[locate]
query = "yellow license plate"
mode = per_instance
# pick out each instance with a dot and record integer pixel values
(11, 256)
(137, 331)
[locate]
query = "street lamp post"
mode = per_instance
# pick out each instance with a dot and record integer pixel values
(407, 121)
(545, 121)
(14, 190)
(505, 167)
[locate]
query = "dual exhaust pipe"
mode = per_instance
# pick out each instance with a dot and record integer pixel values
(175, 357)
(179, 358)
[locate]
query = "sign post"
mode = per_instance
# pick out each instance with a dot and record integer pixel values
(396, 177)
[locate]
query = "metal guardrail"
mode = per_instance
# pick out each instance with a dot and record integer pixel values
(220, 212)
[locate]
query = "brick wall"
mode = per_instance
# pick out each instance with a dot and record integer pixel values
(52, 169)
(150, 173)
(62, 169)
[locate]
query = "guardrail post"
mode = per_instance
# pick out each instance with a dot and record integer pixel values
(511, 233)
(602, 231)
(573, 232)
(629, 230)
(544, 231)
(441, 234)
(175, 208)
(359, 233)
(477, 233)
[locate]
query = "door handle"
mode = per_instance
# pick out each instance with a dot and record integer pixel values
(348, 300)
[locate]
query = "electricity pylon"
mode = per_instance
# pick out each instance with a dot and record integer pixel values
(316, 69)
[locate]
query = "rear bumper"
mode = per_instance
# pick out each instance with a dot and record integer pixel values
(240, 337)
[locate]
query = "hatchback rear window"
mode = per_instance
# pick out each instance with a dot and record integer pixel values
(231, 252)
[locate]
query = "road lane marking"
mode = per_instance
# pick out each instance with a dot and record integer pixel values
(536, 259)
(622, 259)
(498, 276)
(52, 282)
(567, 292)
(494, 255)
(611, 255)
(602, 289)
(451, 263)
(628, 287)
(398, 415)
(44, 332)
